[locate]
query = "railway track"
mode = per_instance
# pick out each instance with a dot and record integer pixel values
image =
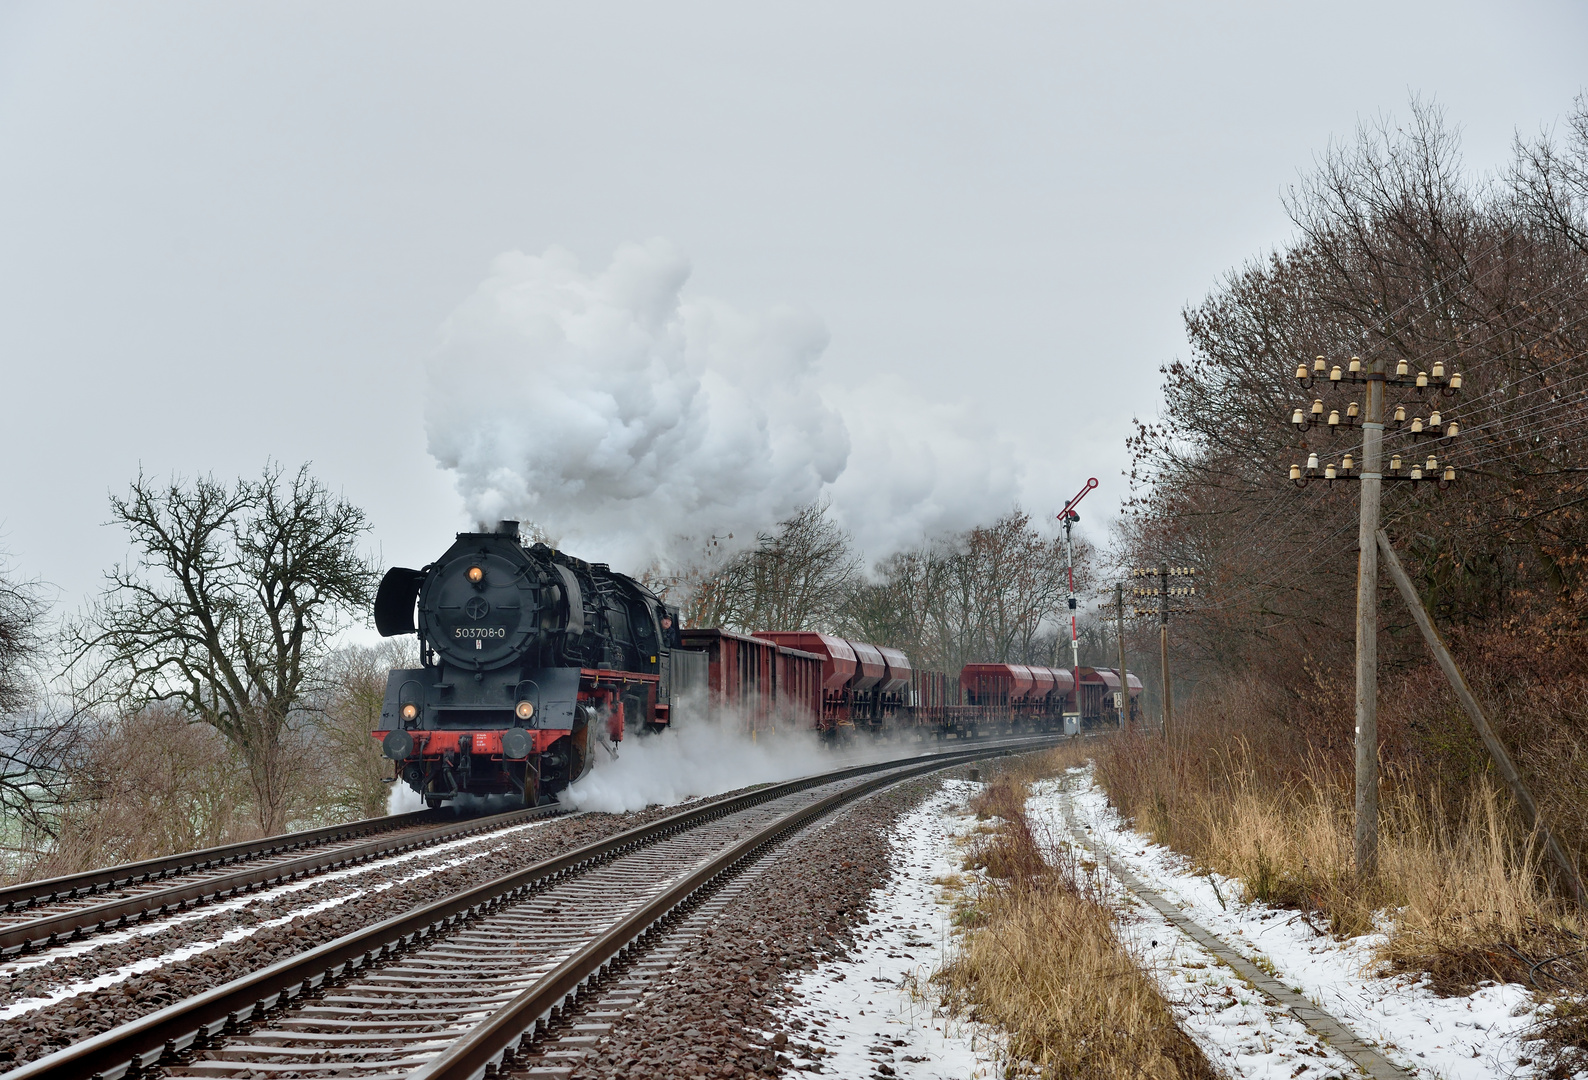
(36, 915)
(448, 989)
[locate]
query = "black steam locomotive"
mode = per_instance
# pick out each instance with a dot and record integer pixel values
(531, 660)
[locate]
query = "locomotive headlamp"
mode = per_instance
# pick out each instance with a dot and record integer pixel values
(410, 711)
(476, 575)
(525, 710)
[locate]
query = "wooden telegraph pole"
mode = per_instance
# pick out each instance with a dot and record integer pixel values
(1366, 846)
(1163, 646)
(1372, 474)
(1163, 592)
(1124, 678)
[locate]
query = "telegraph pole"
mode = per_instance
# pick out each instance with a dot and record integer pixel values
(1163, 592)
(1372, 475)
(1366, 838)
(1124, 679)
(1163, 647)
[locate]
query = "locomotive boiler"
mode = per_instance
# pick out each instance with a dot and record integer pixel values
(530, 661)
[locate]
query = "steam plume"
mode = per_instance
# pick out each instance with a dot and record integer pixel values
(624, 420)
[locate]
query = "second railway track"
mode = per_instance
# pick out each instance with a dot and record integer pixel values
(46, 913)
(448, 989)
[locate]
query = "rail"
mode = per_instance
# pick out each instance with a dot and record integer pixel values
(71, 886)
(52, 929)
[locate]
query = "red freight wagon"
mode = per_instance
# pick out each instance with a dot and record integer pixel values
(870, 670)
(838, 668)
(1094, 689)
(995, 684)
(797, 686)
(1042, 685)
(1110, 677)
(739, 674)
(897, 679)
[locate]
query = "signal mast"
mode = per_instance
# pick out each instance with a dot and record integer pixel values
(1070, 517)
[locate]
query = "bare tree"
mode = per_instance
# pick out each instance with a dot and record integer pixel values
(35, 737)
(991, 593)
(21, 608)
(346, 709)
(226, 609)
(798, 576)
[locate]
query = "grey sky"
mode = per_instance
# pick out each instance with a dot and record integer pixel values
(231, 232)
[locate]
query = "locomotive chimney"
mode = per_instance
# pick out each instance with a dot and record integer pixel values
(508, 528)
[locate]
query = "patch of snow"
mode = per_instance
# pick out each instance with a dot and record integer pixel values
(875, 1007)
(1457, 1038)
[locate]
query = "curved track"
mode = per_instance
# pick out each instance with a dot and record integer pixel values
(461, 982)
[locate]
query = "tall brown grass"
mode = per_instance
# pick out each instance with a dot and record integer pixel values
(1242, 795)
(1043, 961)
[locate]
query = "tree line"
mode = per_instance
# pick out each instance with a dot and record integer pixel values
(991, 593)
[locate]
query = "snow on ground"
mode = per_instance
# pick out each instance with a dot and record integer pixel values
(1458, 1038)
(874, 1008)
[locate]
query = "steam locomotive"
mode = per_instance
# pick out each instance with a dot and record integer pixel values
(533, 663)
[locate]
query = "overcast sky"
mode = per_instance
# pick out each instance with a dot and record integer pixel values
(233, 232)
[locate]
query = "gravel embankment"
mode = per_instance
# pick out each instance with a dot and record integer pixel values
(703, 1018)
(34, 1034)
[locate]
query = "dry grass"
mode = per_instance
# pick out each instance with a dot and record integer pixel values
(1044, 964)
(1461, 876)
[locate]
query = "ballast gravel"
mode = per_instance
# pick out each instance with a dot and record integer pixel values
(720, 1010)
(39, 1032)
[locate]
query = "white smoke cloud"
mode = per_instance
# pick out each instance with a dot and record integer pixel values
(697, 757)
(691, 761)
(631, 422)
(623, 419)
(919, 469)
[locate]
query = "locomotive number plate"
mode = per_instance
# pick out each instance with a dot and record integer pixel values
(463, 632)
